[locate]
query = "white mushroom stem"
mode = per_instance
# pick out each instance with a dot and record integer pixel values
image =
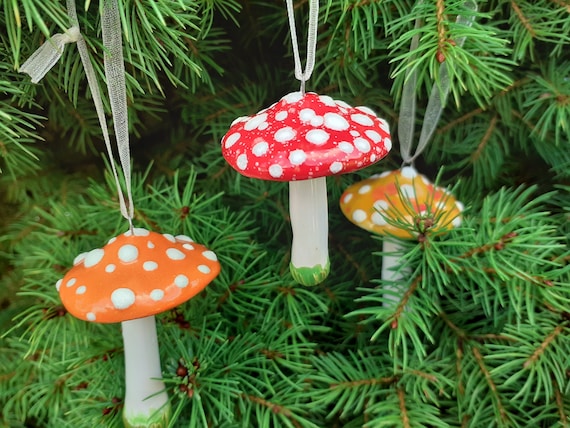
(146, 400)
(392, 273)
(310, 223)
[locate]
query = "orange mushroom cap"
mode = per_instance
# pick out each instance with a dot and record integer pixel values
(404, 196)
(137, 274)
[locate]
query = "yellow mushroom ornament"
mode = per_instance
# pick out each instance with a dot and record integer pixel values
(403, 204)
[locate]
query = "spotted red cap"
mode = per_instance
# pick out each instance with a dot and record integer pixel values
(136, 275)
(305, 136)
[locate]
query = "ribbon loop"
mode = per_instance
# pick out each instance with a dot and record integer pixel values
(43, 59)
(301, 75)
(436, 101)
(48, 54)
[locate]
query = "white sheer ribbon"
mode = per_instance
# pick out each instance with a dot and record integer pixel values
(436, 102)
(301, 75)
(41, 61)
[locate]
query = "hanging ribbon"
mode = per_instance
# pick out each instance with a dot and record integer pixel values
(436, 102)
(41, 61)
(301, 75)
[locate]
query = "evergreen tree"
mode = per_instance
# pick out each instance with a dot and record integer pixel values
(479, 339)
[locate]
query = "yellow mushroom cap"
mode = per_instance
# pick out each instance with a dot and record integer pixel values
(403, 195)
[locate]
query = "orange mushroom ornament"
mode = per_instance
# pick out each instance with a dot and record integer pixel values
(402, 204)
(137, 275)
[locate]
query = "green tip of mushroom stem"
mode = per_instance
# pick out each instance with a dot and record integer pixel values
(158, 419)
(310, 275)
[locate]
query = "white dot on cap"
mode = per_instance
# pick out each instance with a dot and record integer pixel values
(293, 97)
(150, 244)
(335, 167)
(150, 266)
(362, 145)
(336, 122)
(255, 122)
(169, 237)
(93, 257)
(459, 205)
(81, 289)
(408, 172)
(275, 171)
(317, 121)
(373, 135)
(384, 125)
(79, 258)
(365, 189)
(388, 144)
(122, 298)
(184, 238)
(359, 216)
(326, 100)
(188, 247)
(297, 157)
(232, 139)
(282, 115)
(261, 148)
(110, 268)
(156, 294)
(90, 316)
(347, 198)
(408, 190)
(71, 282)
(306, 114)
(317, 136)
(58, 284)
(285, 134)
(113, 239)
(242, 161)
(378, 219)
(239, 120)
(456, 221)
(204, 269)
(128, 253)
(366, 110)
(175, 254)
(210, 255)
(362, 119)
(139, 231)
(181, 281)
(381, 205)
(345, 147)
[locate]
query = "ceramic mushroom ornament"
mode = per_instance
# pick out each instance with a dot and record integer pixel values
(302, 139)
(135, 276)
(402, 204)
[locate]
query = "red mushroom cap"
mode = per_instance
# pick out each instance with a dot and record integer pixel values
(305, 136)
(136, 275)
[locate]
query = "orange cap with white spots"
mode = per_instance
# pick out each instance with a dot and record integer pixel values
(137, 274)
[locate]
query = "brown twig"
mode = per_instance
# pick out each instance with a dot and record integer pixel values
(545, 344)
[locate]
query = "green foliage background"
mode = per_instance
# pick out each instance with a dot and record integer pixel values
(485, 342)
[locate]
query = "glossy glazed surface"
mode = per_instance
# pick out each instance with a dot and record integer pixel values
(305, 136)
(135, 276)
(404, 196)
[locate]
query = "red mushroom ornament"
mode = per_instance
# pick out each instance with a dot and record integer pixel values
(137, 275)
(302, 139)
